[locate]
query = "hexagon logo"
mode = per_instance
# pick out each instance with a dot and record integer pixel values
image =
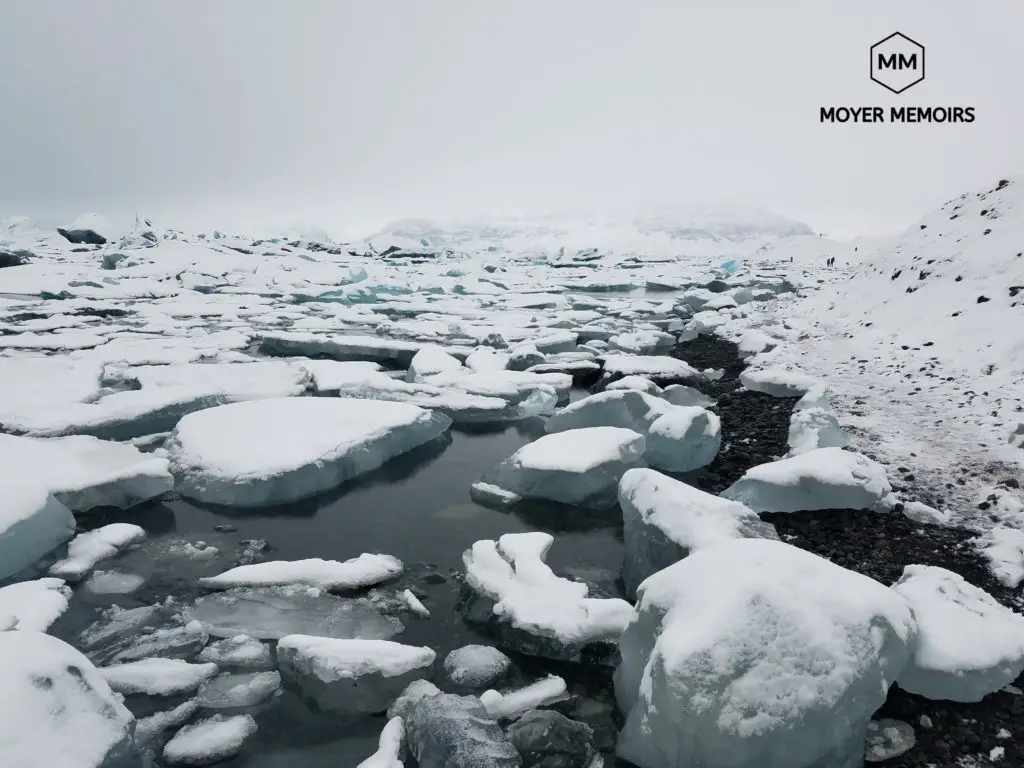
(897, 62)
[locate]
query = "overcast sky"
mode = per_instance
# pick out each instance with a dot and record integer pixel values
(345, 114)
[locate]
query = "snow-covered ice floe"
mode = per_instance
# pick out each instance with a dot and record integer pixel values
(390, 747)
(969, 646)
(157, 677)
(512, 704)
(279, 450)
(210, 741)
(664, 520)
(777, 382)
(33, 605)
(32, 523)
(85, 472)
(823, 478)
(713, 635)
(331, 575)
(579, 466)
(513, 592)
(89, 548)
(57, 710)
(351, 675)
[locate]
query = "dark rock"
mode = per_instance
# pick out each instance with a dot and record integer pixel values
(547, 739)
(14, 258)
(82, 236)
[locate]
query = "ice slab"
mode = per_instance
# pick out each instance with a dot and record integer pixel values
(390, 747)
(149, 729)
(57, 710)
(331, 575)
(331, 375)
(157, 677)
(279, 450)
(239, 652)
(85, 472)
(664, 520)
(263, 378)
(33, 605)
(431, 360)
(377, 349)
(970, 645)
(823, 478)
(89, 548)
(680, 394)
(165, 642)
(656, 368)
(888, 739)
(270, 613)
(350, 675)
(624, 408)
(238, 691)
(37, 380)
(684, 439)
(113, 583)
(777, 382)
(32, 523)
(210, 741)
(578, 466)
(782, 663)
(446, 731)
(512, 704)
(475, 666)
(638, 383)
(814, 424)
(512, 591)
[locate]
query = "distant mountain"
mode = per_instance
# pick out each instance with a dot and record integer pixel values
(690, 231)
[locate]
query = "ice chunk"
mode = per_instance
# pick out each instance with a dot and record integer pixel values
(655, 368)
(513, 591)
(231, 691)
(167, 643)
(239, 652)
(355, 573)
(157, 677)
(888, 739)
(149, 729)
(47, 380)
(548, 739)
(332, 375)
(350, 675)
(262, 378)
(116, 623)
(445, 731)
(684, 439)
(487, 359)
(824, 478)
(680, 394)
(113, 583)
(627, 409)
(665, 520)
(270, 613)
(970, 645)
(33, 605)
(638, 383)
(512, 704)
(377, 349)
(87, 549)
(32, 523)
(280, 450)
(754, 341)
(814, 424)
(777, 382)
(390, 747)
(781, 663)
(579, 466)
(431, 360)
(56, 709)
(475, 666)
(83, 472)
(413, 692)
(210, 741)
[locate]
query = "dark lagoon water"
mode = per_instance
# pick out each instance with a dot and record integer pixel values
(417, 508)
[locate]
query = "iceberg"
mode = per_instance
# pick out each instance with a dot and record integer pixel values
(579, 466)
(664, 520)
(823, 478)
(782, 663)
(350, 675)
(32, 524)
(85, 472)
(275, 451)
(969, 646)
(511, 591)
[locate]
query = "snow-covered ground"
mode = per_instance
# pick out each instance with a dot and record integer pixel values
(250, 373)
